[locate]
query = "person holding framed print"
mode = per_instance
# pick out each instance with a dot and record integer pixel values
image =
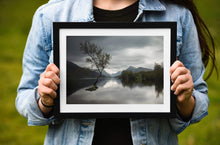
(40, 79)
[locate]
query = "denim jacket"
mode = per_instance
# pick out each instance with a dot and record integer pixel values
(39, 53)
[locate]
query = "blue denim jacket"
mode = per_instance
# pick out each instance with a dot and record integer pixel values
(39, 53)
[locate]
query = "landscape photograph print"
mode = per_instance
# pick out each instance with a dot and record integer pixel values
(115, 69)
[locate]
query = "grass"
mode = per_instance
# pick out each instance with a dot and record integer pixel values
(15, 22)
(208, 130)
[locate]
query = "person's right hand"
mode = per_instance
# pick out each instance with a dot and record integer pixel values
(47, 86)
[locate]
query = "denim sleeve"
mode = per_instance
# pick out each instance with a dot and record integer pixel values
(35, 60)
(190, 56)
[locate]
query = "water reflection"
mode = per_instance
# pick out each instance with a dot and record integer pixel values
(113, 91)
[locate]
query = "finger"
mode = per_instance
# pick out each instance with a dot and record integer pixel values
(43, 90)
(49, 83)
(179, 71)
(175, 65)
(53, 76)
(53, 67)
(179, 80)
(188, 86)
(43, 74)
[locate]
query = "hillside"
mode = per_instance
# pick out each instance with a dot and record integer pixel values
(76, 72)
(132, 69)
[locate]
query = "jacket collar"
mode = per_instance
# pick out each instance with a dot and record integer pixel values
(151, 5)
(87, 13)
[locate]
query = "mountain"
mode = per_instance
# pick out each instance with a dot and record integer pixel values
(132, 69)
(139, 69)
(104, 73)
(79, 72)
(116, 74)
(75, 72)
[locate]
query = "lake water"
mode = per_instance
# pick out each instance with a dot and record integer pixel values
(112, 91)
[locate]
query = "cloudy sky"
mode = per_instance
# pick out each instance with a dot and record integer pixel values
(125, 51)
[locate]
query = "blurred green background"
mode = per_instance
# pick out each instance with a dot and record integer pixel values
(15, 23)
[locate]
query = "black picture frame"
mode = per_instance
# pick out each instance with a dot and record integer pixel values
(64, 35)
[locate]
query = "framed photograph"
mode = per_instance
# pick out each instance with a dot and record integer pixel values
(113, 70)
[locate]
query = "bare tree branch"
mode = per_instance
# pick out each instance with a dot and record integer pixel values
(96, 58)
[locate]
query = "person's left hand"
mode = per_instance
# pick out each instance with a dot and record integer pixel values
(183, 87)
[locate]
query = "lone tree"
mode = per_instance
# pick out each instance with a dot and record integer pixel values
(96, 57)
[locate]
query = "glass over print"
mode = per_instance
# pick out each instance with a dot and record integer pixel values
(114, 68)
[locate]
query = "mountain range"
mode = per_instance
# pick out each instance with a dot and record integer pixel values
(136, 70)
(80, 72)
(132, 69)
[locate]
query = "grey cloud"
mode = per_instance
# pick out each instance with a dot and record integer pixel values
(125, 50)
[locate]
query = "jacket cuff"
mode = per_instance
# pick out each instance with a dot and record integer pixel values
(35, 116)
(199, 112)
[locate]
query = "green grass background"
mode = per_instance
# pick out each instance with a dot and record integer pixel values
(15, 23)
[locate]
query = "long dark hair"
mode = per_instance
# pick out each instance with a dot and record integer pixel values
(205, 37)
